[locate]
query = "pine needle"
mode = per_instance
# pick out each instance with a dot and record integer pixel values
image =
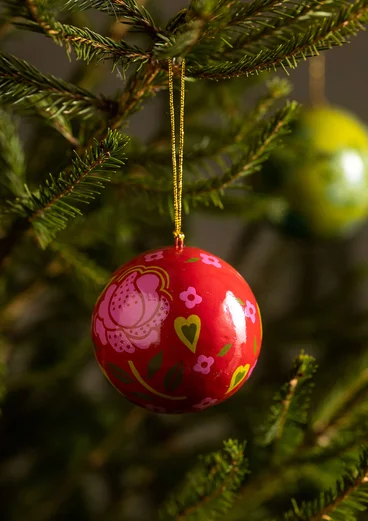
(21, 83)
(210, 489)
(53, 204)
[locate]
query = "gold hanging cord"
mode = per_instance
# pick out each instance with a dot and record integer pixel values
(317, 80)
(177, 166)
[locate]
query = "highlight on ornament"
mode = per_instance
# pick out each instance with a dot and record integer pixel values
(177, 331)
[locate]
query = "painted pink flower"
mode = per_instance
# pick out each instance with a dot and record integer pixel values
(250, 311)
(206, 402)
(157, 255)
(209, 259)
(131, 312)
(203, 364)
(190, 297)
(155, 408)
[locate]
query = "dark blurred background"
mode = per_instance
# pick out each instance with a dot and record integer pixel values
(309, 294)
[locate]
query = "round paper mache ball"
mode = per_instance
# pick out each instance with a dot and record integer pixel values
(323, 174)
(177, 331)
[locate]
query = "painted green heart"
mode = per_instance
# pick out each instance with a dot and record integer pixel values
(238, 376)
(188, 330)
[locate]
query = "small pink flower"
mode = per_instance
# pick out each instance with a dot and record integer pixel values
(250, 311)
(157, 255)
(203, 364)
(190, 297)
(155, 408)
(206, 402)
(208, 259)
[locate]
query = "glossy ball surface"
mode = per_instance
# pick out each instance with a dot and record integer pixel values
(324, 173)
(177, 331)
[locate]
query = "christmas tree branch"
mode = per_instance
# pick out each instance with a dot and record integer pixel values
(21, 83)
(288, 418)
(342, 504)
(289, 20)
(257, 151)
(211, 487)
(85, 270)
(49, 209)
(345, 414)
(147, 82)
(213, 142)
(87, 44)
(131, 13)
(329, 32)
(12, 160)
(251, 13)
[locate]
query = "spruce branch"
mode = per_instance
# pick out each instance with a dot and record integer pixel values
(21, 83)
(342, 504)
(215, 145)
(87, 44)
(130, 12)
(53, 204)
(288, 417)
(257, 151)
(210, 489)
(85, 269)
(273, 30)
(344, 419)
(333, 30)
(146, 82)
(253, 12)
(12, 160)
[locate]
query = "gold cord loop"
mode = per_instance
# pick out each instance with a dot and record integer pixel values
(177, 166)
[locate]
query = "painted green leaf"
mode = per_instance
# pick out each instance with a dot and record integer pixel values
(174, 376)
(144, 396)
(224, 350)
(255, 345)
(239, 377)
(155, 364)
(119, 374)
(193, 259)
(240, 301)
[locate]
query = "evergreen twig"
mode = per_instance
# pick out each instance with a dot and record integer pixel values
(12, 160)
(342, 504)
(49, 209)
(129, 10)
(87, 44)
(210, 488)
(288, 417)
(333, 30)
(85, 269)
(21, 83)
(261, 144)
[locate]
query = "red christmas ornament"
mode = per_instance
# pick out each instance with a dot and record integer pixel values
(177, 330)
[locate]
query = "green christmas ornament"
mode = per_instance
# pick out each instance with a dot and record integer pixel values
(321, 174)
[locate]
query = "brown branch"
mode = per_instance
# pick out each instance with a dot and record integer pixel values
(102, 104)
(215, 494)
(278, 24)
(152, 30)
(70, 188)
(135, 92)
(222, 183)
(323, 432)
(303, 50)
(324, 514)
